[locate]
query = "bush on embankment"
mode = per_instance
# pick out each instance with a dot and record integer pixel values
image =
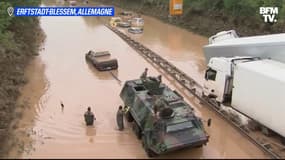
(207, 17)
(19, 42)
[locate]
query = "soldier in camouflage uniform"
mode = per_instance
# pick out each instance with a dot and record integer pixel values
(120, 118)
(89, 117)
(144, 74)
(159, 78)
(158, 105)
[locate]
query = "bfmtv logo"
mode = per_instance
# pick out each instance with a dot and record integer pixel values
(269, 14)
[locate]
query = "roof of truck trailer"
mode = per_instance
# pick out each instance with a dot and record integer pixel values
(273, 69)
(262, 39)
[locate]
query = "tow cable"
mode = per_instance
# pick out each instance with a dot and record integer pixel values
(115, 77)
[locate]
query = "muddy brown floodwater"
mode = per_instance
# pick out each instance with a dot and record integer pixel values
(179, 46)
(61, 73)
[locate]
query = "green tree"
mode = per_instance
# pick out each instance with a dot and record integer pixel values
(6, 37)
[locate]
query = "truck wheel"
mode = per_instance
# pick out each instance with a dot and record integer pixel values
(203, 95)
(129, 117)
(218, 104)
(253, 126)
(283, 140)
(266, 131)
(137, 130)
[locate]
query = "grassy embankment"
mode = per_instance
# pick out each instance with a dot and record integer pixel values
(207, 17)
(20, 38)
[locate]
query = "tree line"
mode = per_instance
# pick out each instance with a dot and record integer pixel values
(18, 43)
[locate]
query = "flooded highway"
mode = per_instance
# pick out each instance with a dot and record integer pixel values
(180, 47)
(61, 73)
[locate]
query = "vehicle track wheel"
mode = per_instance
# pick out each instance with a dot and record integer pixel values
(129, 117)
(137, 130)
(283, 140)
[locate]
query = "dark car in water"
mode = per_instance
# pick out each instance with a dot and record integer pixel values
(102, 60)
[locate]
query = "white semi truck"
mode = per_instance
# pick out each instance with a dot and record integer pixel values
(252, 86)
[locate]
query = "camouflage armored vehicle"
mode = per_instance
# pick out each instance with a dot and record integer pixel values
(160, 117)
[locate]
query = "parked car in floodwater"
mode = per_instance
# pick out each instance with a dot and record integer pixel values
(114, 21)
(124, 24)
(137, 22)
(135, 30)
(102, 60)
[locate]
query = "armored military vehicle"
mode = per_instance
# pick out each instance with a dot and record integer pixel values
(160, 117)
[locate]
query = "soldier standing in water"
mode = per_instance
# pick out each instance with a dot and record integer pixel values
(120, 118)
(89, 117)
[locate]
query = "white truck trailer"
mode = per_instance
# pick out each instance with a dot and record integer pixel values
(251, 86)
(229, 44)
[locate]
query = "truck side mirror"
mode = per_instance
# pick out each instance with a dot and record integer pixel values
(209, 122)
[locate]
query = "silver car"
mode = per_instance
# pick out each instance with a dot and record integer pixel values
(135, 30)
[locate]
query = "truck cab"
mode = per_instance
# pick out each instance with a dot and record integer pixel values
(218, 80)
(215, 76)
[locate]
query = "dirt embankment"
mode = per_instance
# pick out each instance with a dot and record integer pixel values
(13, 61)
(201, 22)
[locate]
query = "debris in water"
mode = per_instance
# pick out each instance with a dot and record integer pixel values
(115, 77)
(61, 104)
(48, 137)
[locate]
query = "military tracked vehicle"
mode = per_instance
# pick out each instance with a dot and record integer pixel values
(160, 117)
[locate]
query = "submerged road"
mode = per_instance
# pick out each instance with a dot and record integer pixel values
(61, 73)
